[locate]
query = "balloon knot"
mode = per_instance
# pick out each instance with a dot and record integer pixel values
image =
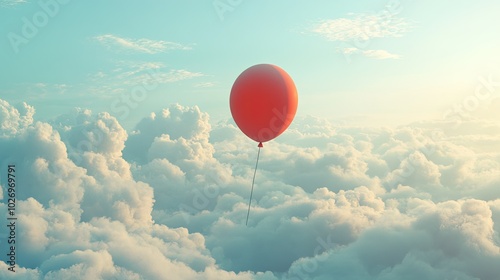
(260, 145)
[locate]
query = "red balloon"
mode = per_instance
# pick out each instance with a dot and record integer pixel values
(263, 102)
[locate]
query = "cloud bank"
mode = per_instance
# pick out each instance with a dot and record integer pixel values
(169, 199)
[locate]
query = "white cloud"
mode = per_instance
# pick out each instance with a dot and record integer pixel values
(205, 85)
(128, 75)
(350, 50)
(89, 133)
(177, 75)
(14, 120)
(380, 54)
(375, 54)
(138, 45)
(450, 239)
(361, 27)
(177, 122)
(10, 3)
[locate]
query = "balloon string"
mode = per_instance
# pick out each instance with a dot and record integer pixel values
(253, 181)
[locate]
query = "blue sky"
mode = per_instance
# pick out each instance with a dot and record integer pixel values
(372, 62)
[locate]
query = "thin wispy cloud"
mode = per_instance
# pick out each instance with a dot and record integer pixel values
(350, 31)
(380, 54)
(205, 85)
(375, 54)
(176, 75)
(138, 45)
(128, 71)
(128, 74)
(10, 3)
(361, 27)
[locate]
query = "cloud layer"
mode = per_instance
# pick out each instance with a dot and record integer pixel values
(169, 199)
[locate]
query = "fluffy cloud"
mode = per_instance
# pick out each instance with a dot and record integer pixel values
(77, 211)
(84, 132)
(449, 240)
(169, 199)
(284, 229)
(14, 119)
(176, 121)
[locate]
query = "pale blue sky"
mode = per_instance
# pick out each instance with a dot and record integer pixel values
(368, 62)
